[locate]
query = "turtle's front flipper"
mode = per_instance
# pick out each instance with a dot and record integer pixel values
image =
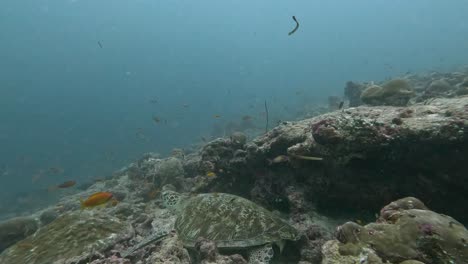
(261, 255)
(155, 237)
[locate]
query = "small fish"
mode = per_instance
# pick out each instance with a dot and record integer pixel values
(25, 245)
(341, 105)
(97, 199)
(216, 116)
(284, 158)
(279, 159)
(141, 135)
(156, 119)
(203, 139)
(99, 43)
(66, 184)
(305, 157)
(211, 174)
(55, 170)
(246, 118)
(359, 221)
(114, 202)
(154, 101)
(36, 177)
(63, 185)
(185, 105)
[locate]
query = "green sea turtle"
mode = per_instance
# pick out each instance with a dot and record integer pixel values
(232, 222)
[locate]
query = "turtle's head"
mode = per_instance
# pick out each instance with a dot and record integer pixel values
(170, 197)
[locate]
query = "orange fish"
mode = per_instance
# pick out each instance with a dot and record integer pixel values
(97, 199)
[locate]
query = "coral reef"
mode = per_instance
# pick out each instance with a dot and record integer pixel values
(411, 141)
(373, 153)
(407, 230)
(424, 86)
(171, 250)
(69, 239)
(396, 92)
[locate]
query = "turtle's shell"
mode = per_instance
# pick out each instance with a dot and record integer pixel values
(230, 221)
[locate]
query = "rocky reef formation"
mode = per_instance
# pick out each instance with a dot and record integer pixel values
(371, 155)
(408, 89)
(405, 231)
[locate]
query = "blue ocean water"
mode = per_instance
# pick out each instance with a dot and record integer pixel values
(82, 80)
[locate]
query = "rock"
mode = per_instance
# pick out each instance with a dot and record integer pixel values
(71, 238)
(170, 171)
(439, 86)
(171, 251)
(394, 208)
(48, 216)
(353, 92)
(332, 255)
(178, 153)
(333, 103)
(207, 249)
(157, 171)
(408, 232)
(411, 262)
(238, 138)
(462, 88)
(368, 155)
(16, 229)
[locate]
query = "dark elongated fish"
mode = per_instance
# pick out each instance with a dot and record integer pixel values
(66, 184)
(341, 105)
(99, 43)
(297, 26)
